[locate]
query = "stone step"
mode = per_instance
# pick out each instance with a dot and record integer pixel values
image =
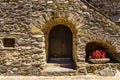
(58, 71)
(59, 66)
(59, 74)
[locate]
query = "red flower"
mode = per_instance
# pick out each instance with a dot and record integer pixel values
(98, 54)
(103, 54)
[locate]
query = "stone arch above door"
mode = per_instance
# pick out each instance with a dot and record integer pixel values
(58, 21)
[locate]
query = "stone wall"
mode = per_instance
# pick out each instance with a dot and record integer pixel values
(29, 23)
(109, 7)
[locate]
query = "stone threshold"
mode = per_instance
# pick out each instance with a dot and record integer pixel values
(59, 67)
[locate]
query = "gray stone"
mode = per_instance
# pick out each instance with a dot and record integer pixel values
(8, 63)
(26, 64)
(35, 43)
(36, 63)
(107, 72)
(21, 41)
(27, 47)
(39, 46)
(40, 39)
(36, 56)
(3, 69)
(37, 50)
(15, 69)
(37, 36)
(36, 71)
(16, 64)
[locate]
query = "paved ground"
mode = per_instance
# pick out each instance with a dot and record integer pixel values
(81, 77)
(78, 77)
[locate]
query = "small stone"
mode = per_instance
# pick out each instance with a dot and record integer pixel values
(84, 7)
(49, 2)
(40, 39)
(16, 64)
(25, 47)
(26, 64)
(42, 44)
(107, 72)
(3, 69)
(35, 43)
(37, 56)
(36, 50)
(15, 69)
(35, 29)
(34, 0)
(37, 36)
(8, 63)
(37, 64)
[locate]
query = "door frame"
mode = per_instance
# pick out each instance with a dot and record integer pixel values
(59, 21)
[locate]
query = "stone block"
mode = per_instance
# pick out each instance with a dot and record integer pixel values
(35, 30)
(3, 69)
(37, 36)
(107, 72)
(8, 63)
(37, 50)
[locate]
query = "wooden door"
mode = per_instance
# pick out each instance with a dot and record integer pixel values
(60, 42)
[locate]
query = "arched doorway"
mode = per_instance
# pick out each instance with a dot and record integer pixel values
(60, 43)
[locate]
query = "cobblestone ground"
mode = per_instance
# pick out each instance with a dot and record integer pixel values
(81, 77)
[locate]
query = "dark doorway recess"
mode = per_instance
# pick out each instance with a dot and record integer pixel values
(60, 44)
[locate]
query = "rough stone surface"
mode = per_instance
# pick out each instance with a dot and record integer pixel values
(29, 23)
(109, 7)
(106, 72)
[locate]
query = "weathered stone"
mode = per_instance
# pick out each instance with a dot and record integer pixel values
(35, 43)
(27, 48)
(107, 8)
(24, 72)
(35, 30)
(40, 39)
(37, 36)
(36, 56)
(16, 64)
(21, 41)
(10, 20)
(39, 46)
(30, 23)
(107, 72)
(8, 63)
(35, 71)
(49, 2)
(36, 50)
(15, 69)
(3, 69)
(36, 64)
(42, 44)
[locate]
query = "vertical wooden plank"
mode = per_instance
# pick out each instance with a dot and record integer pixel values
(60, 42)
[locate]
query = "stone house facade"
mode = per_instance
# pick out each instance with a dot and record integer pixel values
(28, 28)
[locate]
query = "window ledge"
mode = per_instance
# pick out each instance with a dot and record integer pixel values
(8, 48)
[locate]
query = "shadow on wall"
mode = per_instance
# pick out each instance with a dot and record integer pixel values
(100, 45)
